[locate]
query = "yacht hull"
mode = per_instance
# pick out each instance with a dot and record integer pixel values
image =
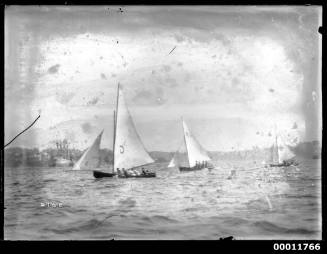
(186, 169)
(147, 175)
(99, 174)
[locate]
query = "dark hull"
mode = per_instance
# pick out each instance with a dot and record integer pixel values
(283, 164)
(147, 175)
(99, 174)
(186, 169)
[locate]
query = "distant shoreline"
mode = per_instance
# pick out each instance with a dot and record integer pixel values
(33, 157)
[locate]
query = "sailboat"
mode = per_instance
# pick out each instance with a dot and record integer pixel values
(91, 157)
(281, 155)
(128, 149)
(177, 157)
(62, 158)
(197, 156)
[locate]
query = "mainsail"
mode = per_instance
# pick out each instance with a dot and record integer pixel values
(129, 150)
(180, 156)
(284, 153)
(195, 151)
(274, 152)
(91, 157)
(280, 152)
(172, 163)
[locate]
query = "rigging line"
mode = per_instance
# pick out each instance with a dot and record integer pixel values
(22, 131)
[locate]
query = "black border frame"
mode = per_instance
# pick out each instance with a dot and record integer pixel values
(241, 245)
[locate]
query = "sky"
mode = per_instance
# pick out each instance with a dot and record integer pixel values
(235, 74)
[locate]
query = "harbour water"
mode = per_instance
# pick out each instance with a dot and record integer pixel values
(61, 204)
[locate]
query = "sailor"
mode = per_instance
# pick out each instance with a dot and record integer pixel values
(202, 165)
(143, 172)
(196, 164)
(125, 172)
(120, 172)
(135, 172)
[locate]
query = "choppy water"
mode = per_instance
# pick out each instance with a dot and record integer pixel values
(257, 204)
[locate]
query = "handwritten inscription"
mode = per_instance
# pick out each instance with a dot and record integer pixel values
(51, 204)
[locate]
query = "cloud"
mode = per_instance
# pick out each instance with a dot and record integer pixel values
(63, 97)
(86, 127)
(93, 101)
(166, 68)
(255, 58)
(54, 69)
(143, 96)
(103, 76)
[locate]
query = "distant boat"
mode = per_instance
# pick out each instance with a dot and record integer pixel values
(197, 156)
(62, 162)
(176, 160)
(172, 163)
(62, 159)
(91, 157)
(281, 155)
(129, 151)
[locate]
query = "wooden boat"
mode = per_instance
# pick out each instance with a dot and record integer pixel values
(128, 149)
(284, 164)
(188, 168)
(63, 162)
(143, 175)
(197, 156)
(63, 158)
(100, 174)
(281, 155)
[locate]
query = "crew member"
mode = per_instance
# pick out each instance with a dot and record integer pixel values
(125, 172)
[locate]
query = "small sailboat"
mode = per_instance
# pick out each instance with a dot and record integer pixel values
(281, 155)
(172, 163)
(91, 157)
(129, 152)
(63, 157)
(178, 157)
(197, 156)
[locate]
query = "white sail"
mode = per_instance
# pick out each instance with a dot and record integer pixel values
(274, 153)
(172, 163)
(129, 150)
(91, 157)
(284, 153)
(194, 150)
(175, 161)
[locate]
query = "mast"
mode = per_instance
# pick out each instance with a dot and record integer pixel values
(129, 149)
(188, 158)
(113, 143)
(277, 149)
(115, 125)
(276, 152)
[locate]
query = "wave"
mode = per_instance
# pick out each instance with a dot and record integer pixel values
(274, 228)
(158, 219)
